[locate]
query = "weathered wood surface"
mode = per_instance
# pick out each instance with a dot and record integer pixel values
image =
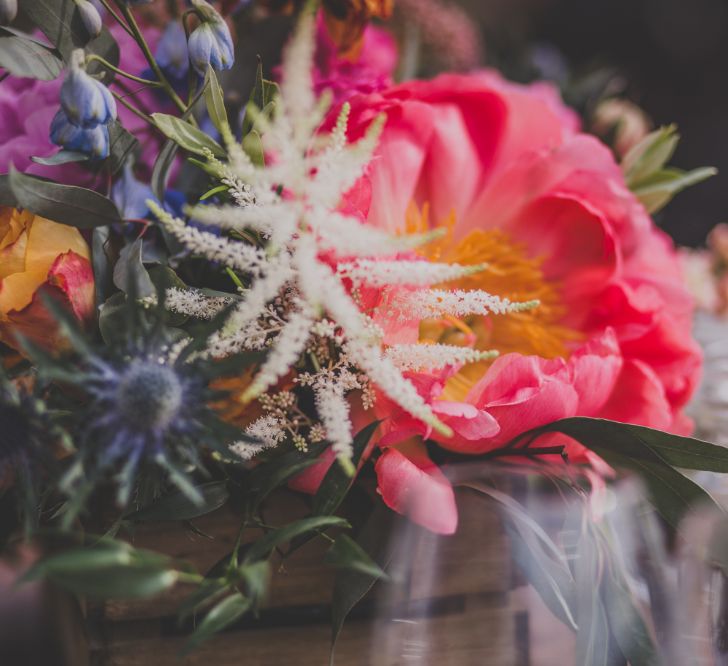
(465, 581)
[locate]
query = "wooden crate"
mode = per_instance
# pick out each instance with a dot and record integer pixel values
(464, 582)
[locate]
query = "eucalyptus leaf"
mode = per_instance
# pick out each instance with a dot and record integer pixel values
(24, 56)
(60, 22)
(186, 136)
(61, 157)
(112, 319)
(130, 275)
(221, 616)
(215, 101)
(7, 198)
(263, 547)
(177, 506)
(345, 553)
(67, 204)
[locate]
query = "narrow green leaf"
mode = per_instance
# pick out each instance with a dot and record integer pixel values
(263, 547)
(178, 506)
(186, 136)
(215, 101)
(24, 56)
(346, 553)
(337, 483)
(650, 155)
(61, 157)
(658, 191)
(208, 591)
(279, 476)
(67, 204)
(224, 614)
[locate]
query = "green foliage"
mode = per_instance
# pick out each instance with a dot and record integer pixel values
(645, 169)
(108, 569)
(187, 136)
(67, 204)
(26, 57)
(215, 102)
(177, 505)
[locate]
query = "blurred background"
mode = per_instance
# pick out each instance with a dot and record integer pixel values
(668, 56)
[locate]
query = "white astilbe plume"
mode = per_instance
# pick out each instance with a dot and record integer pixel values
(438, 302)
(413, 273)
(269, 433)
(435, 356)
(194, 303)
(333, 410)
(290, 208)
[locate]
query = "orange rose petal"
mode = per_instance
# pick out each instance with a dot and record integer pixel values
(47, 240)
(16, 291)
(12, 256)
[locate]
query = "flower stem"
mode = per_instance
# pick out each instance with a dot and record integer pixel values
(116, 17)
(139, 37)
(121, 72)
(133, 109)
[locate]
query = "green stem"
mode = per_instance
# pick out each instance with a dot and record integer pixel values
(116, 17)
(133, 109)
(121, 72)
(139, 37)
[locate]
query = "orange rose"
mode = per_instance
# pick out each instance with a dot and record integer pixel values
(39, 256)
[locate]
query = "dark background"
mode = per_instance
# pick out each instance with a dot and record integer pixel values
(672, 53)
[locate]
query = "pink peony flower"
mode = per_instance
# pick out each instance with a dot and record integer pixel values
(27, 108)
(369, 72)
(504, 169)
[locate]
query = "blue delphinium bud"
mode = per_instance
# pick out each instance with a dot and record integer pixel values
(8, 11)
(131, 195)
(210, 43)
(172, 55)
(86, 101)
(93, 141)
(90, 17)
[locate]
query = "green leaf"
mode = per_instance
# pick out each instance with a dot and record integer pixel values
(262, 95)
(207, 592)
(625, 621)
(337, 482)
(635, 441)
(186, 136)
(225, 613)
(121, 145)
(60, 22)
(215, 101)
(130, 275)
(25, 57)
(7, 198)
(109, 569)
(654, 455)
(650, 155)
(538, 557)
(263, 547)
(253, 146)
(346, 553)
(256, 577)
(350, 587)
(112, 319)
(61, 157)
(656, 192)
(177, 506)
(67, 204)
(592, 636)
(278, 476)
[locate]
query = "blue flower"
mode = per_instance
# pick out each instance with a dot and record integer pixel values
(172, 55)
(93, 141)
(131, 195)
(90, 17)
(146, 400)
(86, 101)
(210, 43)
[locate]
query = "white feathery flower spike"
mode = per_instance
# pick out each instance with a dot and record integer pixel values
(269, 433)
(290, 232)
(194, 303)
(424, 357)
(411, 273)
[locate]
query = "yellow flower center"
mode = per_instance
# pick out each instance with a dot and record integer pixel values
(511, 274)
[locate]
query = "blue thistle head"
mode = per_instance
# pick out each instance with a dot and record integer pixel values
(145, 407)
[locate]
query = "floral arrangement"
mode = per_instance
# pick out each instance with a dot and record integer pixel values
(328, 280)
